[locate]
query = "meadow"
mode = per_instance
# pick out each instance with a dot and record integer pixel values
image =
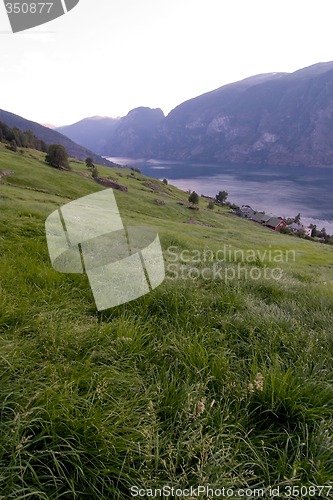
(219, 382)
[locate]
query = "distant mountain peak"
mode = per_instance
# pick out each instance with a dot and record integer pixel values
(146, 111)
(49, 125)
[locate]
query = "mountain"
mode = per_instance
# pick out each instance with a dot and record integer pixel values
(134, 132)
(50, 137)
(277, 118)
(94, 133)
(274, 118)
(130, 135)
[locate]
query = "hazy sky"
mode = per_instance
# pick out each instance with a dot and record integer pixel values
(106, 57)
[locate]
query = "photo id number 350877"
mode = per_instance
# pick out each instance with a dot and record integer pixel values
(29, 8)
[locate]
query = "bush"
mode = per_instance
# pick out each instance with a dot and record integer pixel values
(194, 198)
(12, 146)
(285, 230)
(57, 156)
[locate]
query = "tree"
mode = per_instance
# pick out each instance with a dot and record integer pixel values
(211, 205)
(314, 230)
(297, 219)
(194, 198)
(57, 156)
(221, 197)
(94, 172)
(89, 163)
(323, 234)
(165, 181)
(13, 146)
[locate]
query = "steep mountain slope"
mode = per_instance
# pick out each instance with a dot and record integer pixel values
(276, 119)
(50, 136)
(134, 133)
(93, 132)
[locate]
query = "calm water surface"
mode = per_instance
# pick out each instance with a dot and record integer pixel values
(282, 191)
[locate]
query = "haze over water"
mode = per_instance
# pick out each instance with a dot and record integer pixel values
(282, 191)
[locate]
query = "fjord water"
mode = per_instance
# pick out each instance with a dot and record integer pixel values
(282, 191)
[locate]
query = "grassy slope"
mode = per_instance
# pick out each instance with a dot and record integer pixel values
(157, 391)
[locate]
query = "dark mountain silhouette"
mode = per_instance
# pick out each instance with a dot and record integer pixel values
(50, 137)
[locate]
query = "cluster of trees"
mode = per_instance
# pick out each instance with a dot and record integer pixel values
(56, 156)
(15, 138)
(321, 234)
(220, 198)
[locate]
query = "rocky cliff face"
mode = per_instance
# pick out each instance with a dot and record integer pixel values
(278, 119)
(133, 135)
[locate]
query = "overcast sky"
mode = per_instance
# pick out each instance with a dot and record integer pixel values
(106, 57)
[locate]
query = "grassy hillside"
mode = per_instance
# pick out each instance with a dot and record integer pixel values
(220, 380)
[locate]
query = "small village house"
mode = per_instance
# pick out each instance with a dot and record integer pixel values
(275, 223)
(261, 217)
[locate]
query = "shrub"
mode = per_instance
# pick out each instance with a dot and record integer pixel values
(57, 156)
(194, 198)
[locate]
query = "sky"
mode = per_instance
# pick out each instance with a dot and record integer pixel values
(106, 57)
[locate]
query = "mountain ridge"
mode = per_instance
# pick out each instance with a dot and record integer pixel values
(50, 136)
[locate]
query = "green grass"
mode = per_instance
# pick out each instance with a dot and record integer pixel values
(163, 390)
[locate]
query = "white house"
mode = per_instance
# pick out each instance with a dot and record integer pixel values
(296, 228)
(247, 211)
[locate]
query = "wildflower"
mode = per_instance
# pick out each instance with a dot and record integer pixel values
(257, 384)
(250, 387)
(101, 388)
